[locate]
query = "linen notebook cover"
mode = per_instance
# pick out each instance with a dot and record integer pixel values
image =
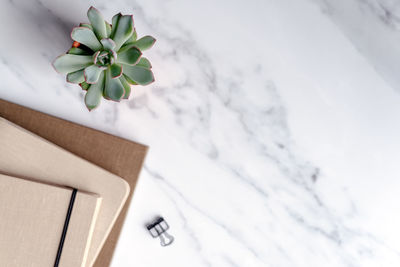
(119, 156)
(28, 156)
(33, 218)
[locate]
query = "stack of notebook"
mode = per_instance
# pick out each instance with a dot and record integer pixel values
(64, 190)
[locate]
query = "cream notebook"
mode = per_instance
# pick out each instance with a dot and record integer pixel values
(26, 155)
(33, 217)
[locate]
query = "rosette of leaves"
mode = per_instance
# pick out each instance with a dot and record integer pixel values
(105, 59)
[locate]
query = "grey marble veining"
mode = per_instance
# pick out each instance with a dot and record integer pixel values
(373, 26)
(273, 135)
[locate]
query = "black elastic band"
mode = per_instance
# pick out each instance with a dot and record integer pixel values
(65, 229)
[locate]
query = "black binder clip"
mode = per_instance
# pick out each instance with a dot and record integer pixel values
(159, 229)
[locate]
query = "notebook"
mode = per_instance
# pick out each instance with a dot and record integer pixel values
(26, 155)
(43, 224)
(117, 155)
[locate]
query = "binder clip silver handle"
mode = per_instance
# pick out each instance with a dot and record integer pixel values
(158, 228)
(166, 239)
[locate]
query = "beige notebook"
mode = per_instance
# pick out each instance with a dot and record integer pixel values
(26, 155)
(33, 217)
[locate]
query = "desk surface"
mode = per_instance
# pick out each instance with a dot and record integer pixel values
(273, 126)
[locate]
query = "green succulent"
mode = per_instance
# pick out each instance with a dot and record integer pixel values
(105, 59)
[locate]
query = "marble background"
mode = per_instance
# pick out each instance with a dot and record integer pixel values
(273, 125)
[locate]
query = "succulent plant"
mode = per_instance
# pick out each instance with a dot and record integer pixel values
(105, 60)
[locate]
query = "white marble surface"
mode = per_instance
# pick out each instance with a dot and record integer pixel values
(273, 125)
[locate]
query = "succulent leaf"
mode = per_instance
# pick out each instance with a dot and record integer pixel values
(145, 42)
(115, 20)
(96, 56)
(98, 23)
(106, 59)
(144, 62)
(133, 37)
(92, 73)
(129, 80)
(129, 55)
(139, 75)
(126, 86)
(76, 77)
(113, 90)
(116, 70)
(87, 37)
(84, 85)
(124, 30)
(108, 29)
(87, 25)
(94, 93)
(108, 43)
(77, 51)
(69, 63)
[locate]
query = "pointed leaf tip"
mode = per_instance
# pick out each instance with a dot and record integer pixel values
(115, 20)
(98, 23)
(145, 42)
